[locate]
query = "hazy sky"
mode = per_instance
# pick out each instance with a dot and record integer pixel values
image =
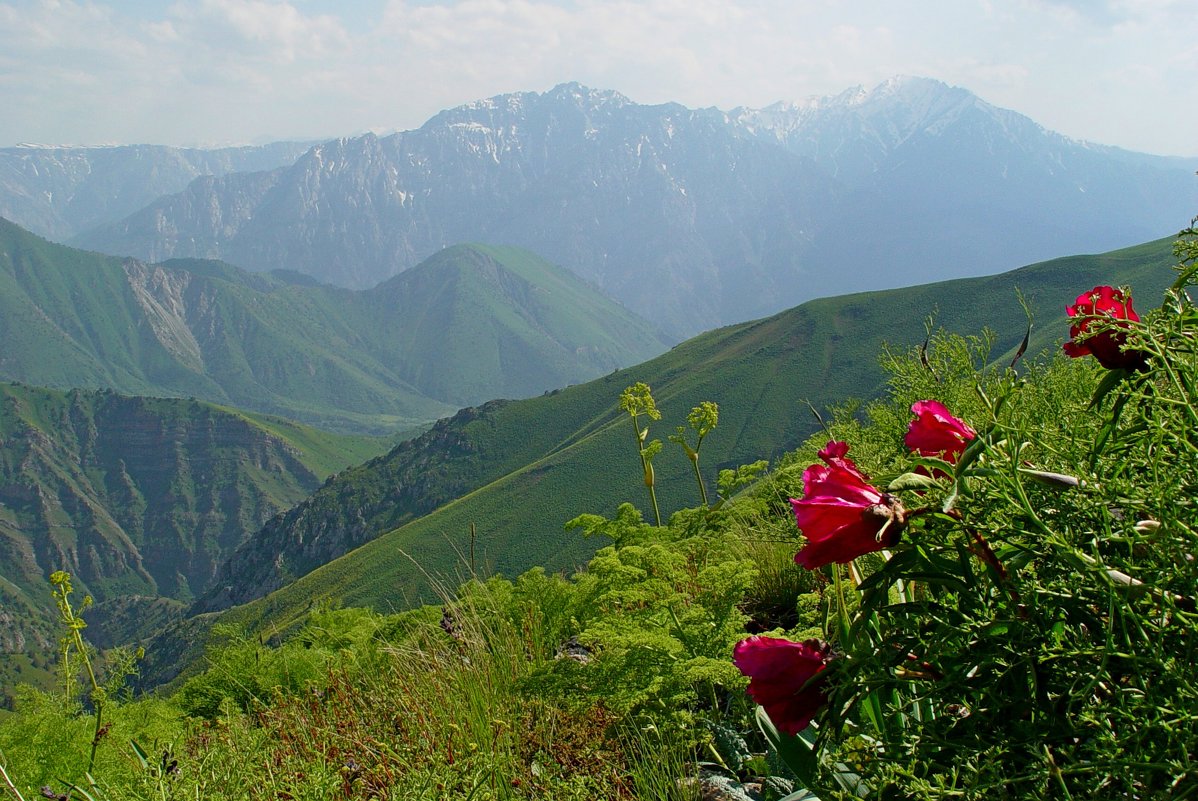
(1122, 72)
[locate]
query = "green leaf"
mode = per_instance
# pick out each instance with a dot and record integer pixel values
(1108, 428)
(972, 451)
(731, 747)
(1185, 276)
(849, 781)
(912, 564)
(912, 481)
(1109, 381)
(142, 756)
(77, 790)
(797, 753)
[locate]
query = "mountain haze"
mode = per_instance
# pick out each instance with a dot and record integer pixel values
(692, 218)
(472, 324)
(963, 187)
(58, 192)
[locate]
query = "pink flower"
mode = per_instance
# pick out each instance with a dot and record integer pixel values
(1103, 304)
(780, 678)
(840, 514)
(935, 432)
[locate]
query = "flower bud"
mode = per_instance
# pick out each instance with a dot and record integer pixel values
(784, 678)
(1108, 312)
(1054, 480)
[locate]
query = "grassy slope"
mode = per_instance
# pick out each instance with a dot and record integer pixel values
(322, 452)
(762, 374)
(472, 324)
(539, 321)
(46, 337)
(74, 319)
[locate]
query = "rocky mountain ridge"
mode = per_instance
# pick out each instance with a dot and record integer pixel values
(59, 192)
(691, 217)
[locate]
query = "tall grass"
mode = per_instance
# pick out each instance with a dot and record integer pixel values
(412, 706)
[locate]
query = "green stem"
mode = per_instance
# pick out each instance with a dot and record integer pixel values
(1055, 772)
(646, 468)
(97, 695)
(1181, 390)
(96, 701)
(1026, 503)
(842, 612)
(75, 624)
(12, 787)
(690, 648)
(699, 478)
(901, 587)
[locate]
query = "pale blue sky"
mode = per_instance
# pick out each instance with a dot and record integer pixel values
(1121, 72)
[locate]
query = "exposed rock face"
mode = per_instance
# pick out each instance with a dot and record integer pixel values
(692, 218)
(160, 294)
(20, 631)
(666, 208)
(129, 495)
(196, 222)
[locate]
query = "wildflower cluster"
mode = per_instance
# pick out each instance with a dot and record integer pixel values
(1019, 614)
(842, 516)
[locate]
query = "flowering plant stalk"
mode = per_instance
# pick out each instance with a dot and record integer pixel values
(702, 420)
(73, 641)
(637, 400)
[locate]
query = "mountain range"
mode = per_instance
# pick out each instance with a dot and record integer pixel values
(470, 324)
(692, 218)
(362, 311)
(59, 192)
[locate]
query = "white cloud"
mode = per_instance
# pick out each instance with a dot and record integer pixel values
(273, 32)
(1119, 71)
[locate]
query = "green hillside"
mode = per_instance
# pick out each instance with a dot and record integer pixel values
(139, 498)
(519, 470)
(476, 322)
(471, 324)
